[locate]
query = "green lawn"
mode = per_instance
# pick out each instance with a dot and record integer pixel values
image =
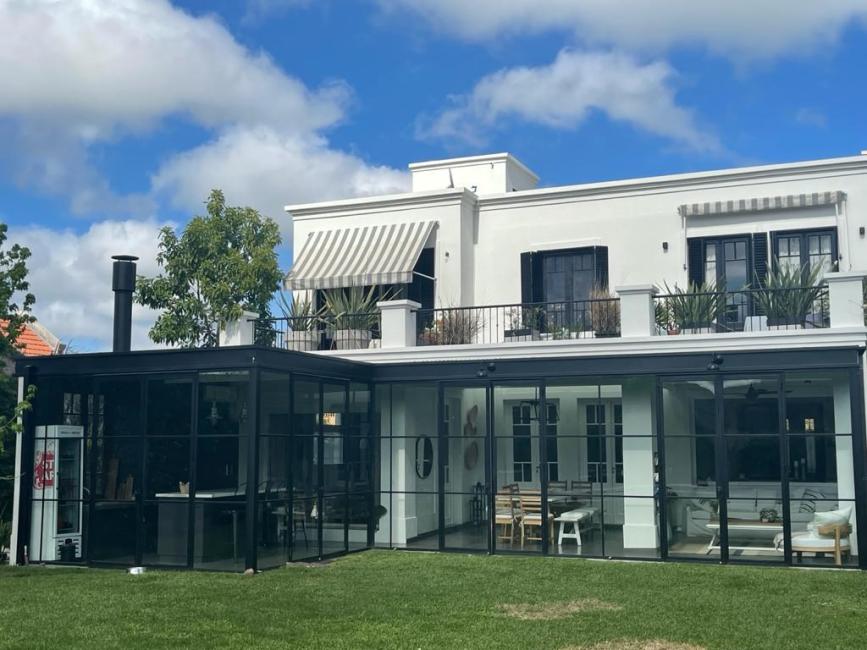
(391, 599)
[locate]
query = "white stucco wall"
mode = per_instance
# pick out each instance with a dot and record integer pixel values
(481, 236)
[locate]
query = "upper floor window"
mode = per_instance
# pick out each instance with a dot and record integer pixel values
(563, 276)
(806, 249)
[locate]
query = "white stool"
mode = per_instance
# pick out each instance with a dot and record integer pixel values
(573, 517)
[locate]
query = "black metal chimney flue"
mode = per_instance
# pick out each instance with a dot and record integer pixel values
(123, 285)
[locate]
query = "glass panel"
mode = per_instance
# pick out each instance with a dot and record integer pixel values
(219, 536)
(169, 409)
(274, 404)
(119, 409)
(167, 468)
(223, 408)
(305, 410)
(118, 463)
(303, 530)
(334, 525)
(274, 458)
(219, 467)
(113, 532)
(274, 524)
(416, 520)
(359, 517)
(165, 526)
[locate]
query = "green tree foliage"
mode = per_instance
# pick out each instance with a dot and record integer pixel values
(14, 316)
(222, 264)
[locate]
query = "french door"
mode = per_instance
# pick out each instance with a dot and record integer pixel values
(747, 461)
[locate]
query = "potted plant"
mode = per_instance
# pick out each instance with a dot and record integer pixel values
(351, 315)
(695, 310)
(523, 324)
(459, 326)
(302, 333)
(604, 313)
(789, 295)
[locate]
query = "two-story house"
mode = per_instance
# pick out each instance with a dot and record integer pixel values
(658, 368)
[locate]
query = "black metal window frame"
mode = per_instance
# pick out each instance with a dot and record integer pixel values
(803, 236)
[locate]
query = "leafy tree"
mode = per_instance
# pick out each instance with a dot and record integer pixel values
(13, 317)
(222, 264)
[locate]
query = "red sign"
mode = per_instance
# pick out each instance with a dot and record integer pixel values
(43, 471)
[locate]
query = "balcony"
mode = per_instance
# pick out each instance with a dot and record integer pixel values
(637, 311)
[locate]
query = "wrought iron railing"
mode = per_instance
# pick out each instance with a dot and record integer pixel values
(325, 332)
(748, 310)
(540, 321)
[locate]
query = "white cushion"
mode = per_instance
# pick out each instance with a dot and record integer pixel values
(833, 517)
(804, 541)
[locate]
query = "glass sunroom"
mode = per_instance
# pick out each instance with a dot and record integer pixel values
(251, 457)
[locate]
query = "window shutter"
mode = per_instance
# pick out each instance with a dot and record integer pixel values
(760, 259)
(527, 277)
(601, 265)
(695, 261)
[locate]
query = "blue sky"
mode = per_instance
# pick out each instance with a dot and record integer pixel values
(118, 117)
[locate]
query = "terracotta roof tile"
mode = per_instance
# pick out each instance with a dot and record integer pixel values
(30, 343)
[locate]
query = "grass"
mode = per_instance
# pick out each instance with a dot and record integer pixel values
(390, 599)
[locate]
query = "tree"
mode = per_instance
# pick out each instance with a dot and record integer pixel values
(222, 264)
(13, 318)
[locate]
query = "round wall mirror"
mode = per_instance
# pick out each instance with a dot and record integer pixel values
(423, 456)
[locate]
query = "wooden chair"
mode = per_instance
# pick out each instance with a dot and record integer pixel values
(557, 487)
(824, 542)
(582, 489)
(531, 517)
(506, 515)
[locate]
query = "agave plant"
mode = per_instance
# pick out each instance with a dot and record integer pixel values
(299, 312)
(699, 306)
(352, 309)
(789, 293)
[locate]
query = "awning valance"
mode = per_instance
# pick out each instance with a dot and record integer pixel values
(761, 204)
(358, 257)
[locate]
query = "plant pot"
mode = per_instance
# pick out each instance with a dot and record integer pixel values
(302, 341)
(697, 328)
(524, 334)
(351, 339)
(786, 322)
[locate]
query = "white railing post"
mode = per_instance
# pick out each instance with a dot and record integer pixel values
(239, 332)
(846, 298)
(637, 311)
(398, 323)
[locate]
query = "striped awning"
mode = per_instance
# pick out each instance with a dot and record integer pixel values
(761, 204)
(358, 257)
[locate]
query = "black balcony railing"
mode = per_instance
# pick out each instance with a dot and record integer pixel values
(519, 322)
(748, 310)
(326, 332)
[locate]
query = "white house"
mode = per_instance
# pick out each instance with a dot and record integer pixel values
(659, 368)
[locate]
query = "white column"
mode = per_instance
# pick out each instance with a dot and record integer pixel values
(844, 454)
(239, 332)
(639, 511)
(398, 323)
(846, 299)
(637, 313)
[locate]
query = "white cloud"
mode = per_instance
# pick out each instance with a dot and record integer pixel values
(807, 116)
(738, 28)
(70, 275)
(82, 72)
(563, 94)
(267, 169)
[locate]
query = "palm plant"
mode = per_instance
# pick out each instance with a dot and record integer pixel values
(699, 306)
(789, 293)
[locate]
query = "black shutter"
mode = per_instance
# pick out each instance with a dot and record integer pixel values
(527, 277)
(601, 266)
(695, 261)
(760, 260)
